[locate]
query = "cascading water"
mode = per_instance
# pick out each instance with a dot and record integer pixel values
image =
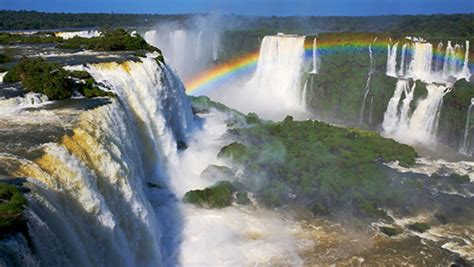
(215, 46)
(465, 144)
(367, 85)
(421, 125)
(82, 34)
(424, 121)
(277, 78)
(401, 71)
(391, 118)
(392, 60)
(315, 63)
(275, 90)
(91, 200)
(188, 51)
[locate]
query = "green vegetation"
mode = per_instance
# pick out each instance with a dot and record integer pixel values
(110, 40)
(12, 203)
(390, 231)
(217, 196)
(40, 76)
(234, 151)
(40, 38)
(453, 116)
(5, 58)
(458, 25)
(419, 227)
(313, 160)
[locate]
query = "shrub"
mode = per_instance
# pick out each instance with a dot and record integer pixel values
(12, 203)
(48, 78)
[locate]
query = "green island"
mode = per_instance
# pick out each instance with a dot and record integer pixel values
(313, 165)
(40, 76)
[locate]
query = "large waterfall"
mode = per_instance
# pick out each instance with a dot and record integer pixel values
(275, 89)
(420, 124)
(188, 51)
(100, 194)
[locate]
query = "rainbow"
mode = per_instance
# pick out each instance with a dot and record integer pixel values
(211, 78)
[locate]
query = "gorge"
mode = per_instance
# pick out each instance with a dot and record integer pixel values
(335, 148)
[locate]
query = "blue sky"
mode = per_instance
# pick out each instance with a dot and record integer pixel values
(249, 7)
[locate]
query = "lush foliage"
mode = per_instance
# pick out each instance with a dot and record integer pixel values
(40, 38)
(460, 25)
(48, 78)
(292, 162)
(110, 40)
(12, 203)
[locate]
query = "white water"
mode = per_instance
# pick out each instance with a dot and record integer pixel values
(421, 125)
(392, 60)
(367, 85)
(391, 117)
(233, 236)
(465, 143)
(422, 66)
(401, 71)
(315, 62)
(90, 203)
(275, 89)
(15, 104)
(188, 51)
(83, 34)
(2, 74)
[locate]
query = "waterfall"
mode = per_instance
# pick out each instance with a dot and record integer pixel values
(391, 118)
(466, 73)
(424, 121)
(449, 61)
(421, 127)
(465, 144)
(367, 84)
(188, 51)
(421, 124)
(277, 77)
(420, 65)
(315, 66)
(392, 60)
(82, 34)
(404, 118)
(304, 94)
(215, 46)
(90, 202)
(401, 71)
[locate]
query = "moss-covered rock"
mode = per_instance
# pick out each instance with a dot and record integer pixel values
(390, 231)
(12, 203)
(419, 227)
(217, 196)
